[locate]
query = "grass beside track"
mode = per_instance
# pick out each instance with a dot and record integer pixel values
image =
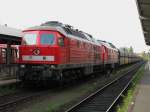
(8, 89)
(129, 95)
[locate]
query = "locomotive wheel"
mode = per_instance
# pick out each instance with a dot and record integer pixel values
(61, 79)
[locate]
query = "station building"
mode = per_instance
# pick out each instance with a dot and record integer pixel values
(10, 38)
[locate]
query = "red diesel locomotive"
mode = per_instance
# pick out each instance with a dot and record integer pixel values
(110, 55)
(55, 51)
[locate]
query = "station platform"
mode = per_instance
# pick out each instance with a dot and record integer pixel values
(142, 101)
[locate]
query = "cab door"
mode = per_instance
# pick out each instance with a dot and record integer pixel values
(63, 43)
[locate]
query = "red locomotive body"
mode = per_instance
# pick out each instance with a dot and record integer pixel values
(72, 51)
(52, 51)
(39, 47)
(110, 55)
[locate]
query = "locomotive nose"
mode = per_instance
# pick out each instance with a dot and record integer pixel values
(36, 51)
(38, 54)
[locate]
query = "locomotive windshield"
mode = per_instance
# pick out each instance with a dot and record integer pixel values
(30, 39)
(47, 39)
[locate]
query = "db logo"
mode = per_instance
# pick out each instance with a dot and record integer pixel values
(36, 52)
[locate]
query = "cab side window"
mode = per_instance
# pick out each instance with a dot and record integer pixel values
(61, 42)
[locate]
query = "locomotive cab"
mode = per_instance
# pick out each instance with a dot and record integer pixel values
(40, 47)
(40, 53)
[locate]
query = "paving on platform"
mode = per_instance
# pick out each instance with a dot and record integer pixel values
(142, 101)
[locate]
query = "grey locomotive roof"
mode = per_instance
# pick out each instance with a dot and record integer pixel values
(60, 28)
(107, 44)
(10, 31)
(52, 23)
(57, 28)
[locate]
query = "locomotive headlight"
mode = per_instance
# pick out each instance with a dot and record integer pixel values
(53, 66)
(22, 66)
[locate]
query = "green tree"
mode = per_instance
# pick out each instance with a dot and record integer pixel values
(130, 49)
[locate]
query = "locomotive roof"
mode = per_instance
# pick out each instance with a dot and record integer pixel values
(52, 23)
(108, 44)
(66, 30)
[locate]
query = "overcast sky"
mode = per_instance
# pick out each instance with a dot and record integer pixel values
(116, 21)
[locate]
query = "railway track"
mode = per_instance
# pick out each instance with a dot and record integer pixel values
(103, 99)
(7, 102)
